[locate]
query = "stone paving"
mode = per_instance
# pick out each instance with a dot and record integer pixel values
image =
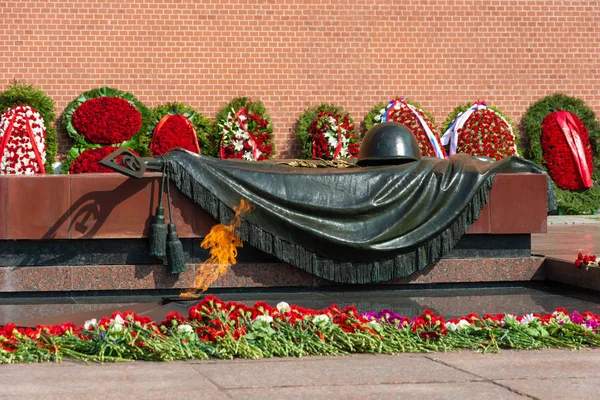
(544, 374)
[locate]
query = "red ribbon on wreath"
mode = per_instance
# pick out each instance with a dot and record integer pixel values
(569, 128)
(8, 133)
(338, 148)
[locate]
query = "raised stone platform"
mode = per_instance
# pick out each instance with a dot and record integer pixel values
(86, 233)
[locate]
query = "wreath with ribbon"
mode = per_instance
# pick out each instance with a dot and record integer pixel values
(243, 130)
(564, 138)
(176, 125)
(327, 132)
(102, 117)
(411, 115)
(28, 140)
(480, 130)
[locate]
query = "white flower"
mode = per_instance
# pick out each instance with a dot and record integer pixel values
(377, 118)
(332, 121)
(238, 145)
(118, 320)
(115, 328)
(461, 325)
(397, 106)
(333, 142)
(320, 319)
(248, 156)
(242, 117)
(90, 324)
(264, 318)
(283, 307)
(527, 319)
(506, 317)
(184, 328)
(382, 111)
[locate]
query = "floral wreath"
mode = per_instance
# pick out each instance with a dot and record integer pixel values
(480, 130)
(243, 130)
(88, 161)
(547, 144)
(411, 115)
(104, 116)
(327, 131)
(26, 117)
(176, 125)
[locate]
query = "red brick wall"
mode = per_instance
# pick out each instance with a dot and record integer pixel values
(295, 53)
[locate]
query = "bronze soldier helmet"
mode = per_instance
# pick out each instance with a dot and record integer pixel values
(388, 143)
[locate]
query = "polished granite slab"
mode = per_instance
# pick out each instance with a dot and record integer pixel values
(442, 299)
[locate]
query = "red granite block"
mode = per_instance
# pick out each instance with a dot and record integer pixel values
(3, 206)
(130, 277)
(39, 207)
(35, 279)
(264, 275)
(518, 204)
(482, 225)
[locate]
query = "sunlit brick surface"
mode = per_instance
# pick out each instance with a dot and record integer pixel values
(294, 53)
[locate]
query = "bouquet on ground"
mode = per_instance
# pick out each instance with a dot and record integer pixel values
(564, 139)
(411, 115)
(28, 141)
(103, 117)
(176, 125)
(216, 329)
(479, 130)
(327, 132)
(243, 130)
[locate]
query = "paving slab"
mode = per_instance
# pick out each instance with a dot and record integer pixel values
(459, 391)
(351, 370)
(569, 388)
(533, 364)
(73, 379)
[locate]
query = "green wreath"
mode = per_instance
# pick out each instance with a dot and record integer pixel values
(202, 124)
(306, 119)
(569, 202)
(370, 120)
(462, 108)
(255, 106)
(21, 93)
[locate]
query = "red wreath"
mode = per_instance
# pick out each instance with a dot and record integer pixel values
(107, 120)
(88, 161)
(320, 145)
(561, 162)
(485, 133)
(407, 118)
(174, 131)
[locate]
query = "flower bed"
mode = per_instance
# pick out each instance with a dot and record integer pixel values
(31, 105)
(411, 115)
(215, 329)
(327, 132)
(243, 130)
(547, 145)
(479, 130)
(177, 126)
